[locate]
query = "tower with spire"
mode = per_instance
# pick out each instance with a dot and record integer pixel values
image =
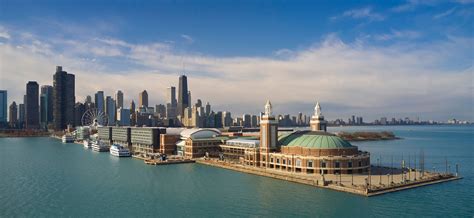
(317, 122)
(268, 135)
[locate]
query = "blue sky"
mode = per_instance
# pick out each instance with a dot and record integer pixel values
(369, 58)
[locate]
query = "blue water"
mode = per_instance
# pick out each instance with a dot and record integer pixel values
(43, 177)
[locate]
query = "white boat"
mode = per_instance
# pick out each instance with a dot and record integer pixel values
(99, 146)
(87, 144)
(67, 138)
(119, 151)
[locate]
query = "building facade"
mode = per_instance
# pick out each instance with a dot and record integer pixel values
(183, 95)
(32, 105)
(3, 107)
(13, 115)
(63, 99)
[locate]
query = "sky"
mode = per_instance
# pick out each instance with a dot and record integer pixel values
(365, 58)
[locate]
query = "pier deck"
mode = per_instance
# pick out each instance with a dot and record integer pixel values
(380, 182)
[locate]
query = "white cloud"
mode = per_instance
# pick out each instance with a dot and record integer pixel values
(4, 33)
(187, 38)
(398, 34)
(408, 78)
(444, 14)
(361, 13)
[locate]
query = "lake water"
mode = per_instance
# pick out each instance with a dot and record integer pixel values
(43, 177)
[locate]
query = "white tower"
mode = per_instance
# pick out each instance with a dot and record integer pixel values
(317, 122)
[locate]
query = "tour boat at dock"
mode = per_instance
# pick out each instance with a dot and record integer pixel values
(100, 146)
(119, 151)
(67, 138)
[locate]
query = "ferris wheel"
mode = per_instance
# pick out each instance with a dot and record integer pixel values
(94, 118)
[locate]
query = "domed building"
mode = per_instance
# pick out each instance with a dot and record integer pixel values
(314, 151)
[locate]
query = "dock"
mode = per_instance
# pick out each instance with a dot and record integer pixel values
(167, 162)
(360, 184)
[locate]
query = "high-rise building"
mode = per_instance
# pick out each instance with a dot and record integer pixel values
(99, 101)
(160, 110)
(13, 116)
(218, 123)
(183, 98)
(3, 107)
(198, 103)
(123, 117)
(143, 99)
(64, 98)
(119, 99)
(208, 109)
(254, 122)
(32, 105)
(46, 106)
(79, 110)
(226, 119)
(246, 120)
(21, 115)
(171, 103)
(133, 114)
(110, 110)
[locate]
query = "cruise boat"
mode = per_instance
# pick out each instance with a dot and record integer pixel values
(67, 138)
(87, 144)
(99, 146)
(119, 151)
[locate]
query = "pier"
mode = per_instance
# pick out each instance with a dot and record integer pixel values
(378, 183)
(167, 162)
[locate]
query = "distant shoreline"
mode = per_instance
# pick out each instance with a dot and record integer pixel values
(367, 136)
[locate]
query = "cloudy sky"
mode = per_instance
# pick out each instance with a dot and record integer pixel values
(371, 59)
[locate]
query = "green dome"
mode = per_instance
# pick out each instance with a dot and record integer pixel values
(313, 139)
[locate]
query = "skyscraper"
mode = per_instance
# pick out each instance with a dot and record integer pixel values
(13, 116)
(3, 107)
(183, 98)
(64, 98)
(99, 101)
(143, 99)
(32, 105)
(79, 110)
(247, 120)
(46, 107)
(21, 115)
(208, 109)
(119, 99)
(110, 110)
(171, 103)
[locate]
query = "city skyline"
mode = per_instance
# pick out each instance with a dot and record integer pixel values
(350, 63)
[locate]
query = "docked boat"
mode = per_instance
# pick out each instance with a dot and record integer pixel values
(100, 146)
(119, 151)
(67, 138)
(87, 144)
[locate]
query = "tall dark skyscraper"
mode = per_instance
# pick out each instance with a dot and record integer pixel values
(3, 107)
(13, 115)
(32, 105)
(99, 101)
(183, 98)
(63, 98)
(46, 104)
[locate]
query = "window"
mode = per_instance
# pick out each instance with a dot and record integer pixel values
(263, 158)
(310, 163)
(338, 164)
(360, 163)
(284, 161)
(323, 164)
(289, 162)
(349, 164)
(278, 161)
(298, 163)
(271, 159)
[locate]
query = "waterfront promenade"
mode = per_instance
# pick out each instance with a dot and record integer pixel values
(382, 180)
